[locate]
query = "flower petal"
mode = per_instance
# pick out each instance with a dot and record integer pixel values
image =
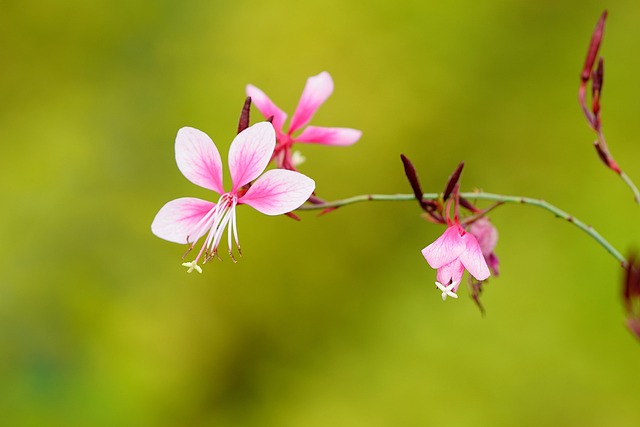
(250, 153)
(198, 159)
(316, 91)
(266, 106)
(472, 258)
(451, 273)
(178, 220)
(445, 249)
(278, 191)
(493, 262)
(329, 136)
(486, 235)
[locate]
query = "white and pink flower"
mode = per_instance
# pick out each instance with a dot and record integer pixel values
(275, 192)
(452, 253)
(315, 93)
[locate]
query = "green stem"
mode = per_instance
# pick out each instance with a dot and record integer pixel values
(478, 196)
(631, 185)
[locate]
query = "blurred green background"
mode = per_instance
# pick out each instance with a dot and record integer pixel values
(332, 321)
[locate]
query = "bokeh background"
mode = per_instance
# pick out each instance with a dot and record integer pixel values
(333, 320)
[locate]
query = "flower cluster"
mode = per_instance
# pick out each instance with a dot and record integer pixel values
(277, 191)
(467, 244)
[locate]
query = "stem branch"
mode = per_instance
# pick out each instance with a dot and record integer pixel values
(478, 196)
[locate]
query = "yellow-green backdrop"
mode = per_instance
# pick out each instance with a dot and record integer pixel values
(332, 321)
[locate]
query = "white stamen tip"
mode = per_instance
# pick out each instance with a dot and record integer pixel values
(193, 265)
(447, 291)
(297, 158)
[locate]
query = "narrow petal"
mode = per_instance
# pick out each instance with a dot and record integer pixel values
(451, 273)
(445, 249)
(493, 262)
(329, 136)
(179, 219)
(278, 191)
(266, 106)
(198, 159)
(316, 91)
(472, 258)
(250, 153)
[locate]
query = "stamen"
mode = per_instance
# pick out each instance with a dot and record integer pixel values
(189, 249)
(220, 229)
(193, 265)
(204, 250)
(203, 223)
(215, 225)
(297, 158)
(229, 231)
(447, 291)
(235, 231)
(223, 215)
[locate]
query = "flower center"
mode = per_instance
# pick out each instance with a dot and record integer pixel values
(282, 152)
(221, 216)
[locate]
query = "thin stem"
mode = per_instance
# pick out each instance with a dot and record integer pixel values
(631, 185)
(479, 196)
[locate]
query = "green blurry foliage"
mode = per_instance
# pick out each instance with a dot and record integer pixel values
(333, 320)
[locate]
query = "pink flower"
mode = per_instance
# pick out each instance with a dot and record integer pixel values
(316, 92)
(452, 253)
(276, 192)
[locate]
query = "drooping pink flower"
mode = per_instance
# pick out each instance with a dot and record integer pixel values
(315, 93)
(452, 253)
(276, 192)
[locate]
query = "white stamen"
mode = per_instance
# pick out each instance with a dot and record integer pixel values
(297, 158)
(216, 220)
(192, 265)
(447, 290)
(204, 223)
(226, 216)
(235, 231)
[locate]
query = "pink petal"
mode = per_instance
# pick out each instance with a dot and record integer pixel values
(278, 191)
(472, 258)
(493, 262)
(451, 273)
(486, 235)
(266, 106)
(178, 219)
(445, 249)
(250, 153)
(329, 136)
(198, 159)
(316, 91)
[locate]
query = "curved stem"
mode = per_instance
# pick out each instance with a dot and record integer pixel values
(478, 196)
(631, 185)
